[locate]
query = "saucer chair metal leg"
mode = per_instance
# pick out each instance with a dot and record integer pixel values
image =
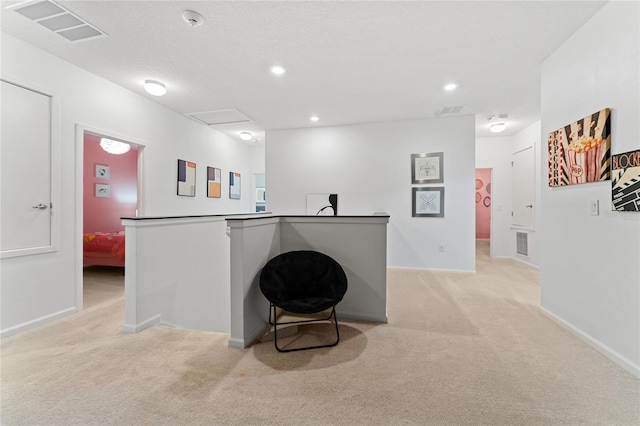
(275, 330)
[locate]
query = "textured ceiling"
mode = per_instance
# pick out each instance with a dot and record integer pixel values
(347, 61)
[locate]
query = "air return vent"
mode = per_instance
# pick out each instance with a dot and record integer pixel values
(57, 19)
(522, 243)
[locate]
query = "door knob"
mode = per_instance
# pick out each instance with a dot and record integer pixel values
(529, 206)
(41, 206)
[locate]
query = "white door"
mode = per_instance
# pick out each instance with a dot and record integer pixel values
(523, 180)
(25, 153)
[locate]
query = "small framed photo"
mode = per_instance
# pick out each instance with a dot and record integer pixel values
(234, 185)
(261, 195)
(427, 168)
(102, 190)
(428, 201)
(214, 182)
(102, 172)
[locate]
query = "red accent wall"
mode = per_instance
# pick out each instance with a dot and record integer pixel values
(483, 203)
(103, 214)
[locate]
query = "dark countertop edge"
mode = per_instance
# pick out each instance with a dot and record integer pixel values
(252, 216)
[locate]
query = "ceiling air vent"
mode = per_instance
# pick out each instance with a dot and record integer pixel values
(219, 117)
(451, 110)
(57, 19)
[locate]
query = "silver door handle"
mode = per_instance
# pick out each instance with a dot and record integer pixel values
(530, 206)
(41, 206)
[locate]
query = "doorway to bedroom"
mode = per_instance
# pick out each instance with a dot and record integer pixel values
(110, 191)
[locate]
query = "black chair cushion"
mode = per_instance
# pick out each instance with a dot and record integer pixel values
(303, 282)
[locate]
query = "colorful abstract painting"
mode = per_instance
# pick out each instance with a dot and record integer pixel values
(214, 182)
(186, 178)
(234, 185)
(625, 181)
(580, 152)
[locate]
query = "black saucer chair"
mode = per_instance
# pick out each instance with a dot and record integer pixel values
(303, 282)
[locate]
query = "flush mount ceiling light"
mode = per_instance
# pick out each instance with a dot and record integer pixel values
(114, 147)
(246, 136)
(497, 127)
(155, 87)
(278, 70)
(314, 118)
(194, 19)
(451, 86)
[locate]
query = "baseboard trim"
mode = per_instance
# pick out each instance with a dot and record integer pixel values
(128, 328)
(36, 322)
(595, 344)
(349, 316)
(409, 268)
(524, 262)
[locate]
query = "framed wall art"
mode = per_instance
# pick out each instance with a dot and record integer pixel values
(427, 168)
(214, 182)
(186, 178)
(625, 182)
(234, 185)
(103, 172)
(427, 202)
(102, 190)
(580, 152)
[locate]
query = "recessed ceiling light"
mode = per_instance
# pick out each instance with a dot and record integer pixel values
(246, 136)
(314, 118)
(497, 127)
(278, 70)
(451, 86)
(154, 87)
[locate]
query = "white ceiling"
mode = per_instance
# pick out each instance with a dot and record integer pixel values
(347, 61)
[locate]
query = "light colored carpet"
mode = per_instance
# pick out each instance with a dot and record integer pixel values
(460, 348)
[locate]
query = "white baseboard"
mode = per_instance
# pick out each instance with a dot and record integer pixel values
(409, 268)
(517, 259)
(36, 322)
(350, 316)
(128, 328)
(614, 356)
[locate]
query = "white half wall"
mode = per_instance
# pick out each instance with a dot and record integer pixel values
(368, 166)
(590, 265)
(39, 287)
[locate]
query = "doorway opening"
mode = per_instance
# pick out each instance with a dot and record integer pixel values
(483, 207)
(110, 183)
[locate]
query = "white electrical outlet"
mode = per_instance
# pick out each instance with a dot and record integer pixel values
(594, 207)
(441, 248)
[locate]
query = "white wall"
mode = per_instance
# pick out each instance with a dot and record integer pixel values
(590, 265)
(368, 166)
(40, 287)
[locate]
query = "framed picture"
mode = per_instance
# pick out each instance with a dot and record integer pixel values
(427, 168)
(428, 201)
(214, 182)
(580, 152)
(102, 172)
(234, 185)
(186, 178)
(261, 195)
(102, 190)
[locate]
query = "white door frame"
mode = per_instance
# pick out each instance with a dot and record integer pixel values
(81, 129)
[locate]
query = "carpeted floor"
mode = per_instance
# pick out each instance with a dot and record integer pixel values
(459, 349)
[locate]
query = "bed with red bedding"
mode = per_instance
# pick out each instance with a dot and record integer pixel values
(103, 248)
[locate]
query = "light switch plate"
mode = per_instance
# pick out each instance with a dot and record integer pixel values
(594, 207)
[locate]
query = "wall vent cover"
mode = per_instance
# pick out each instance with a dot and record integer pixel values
(57, 19)
(522, 243)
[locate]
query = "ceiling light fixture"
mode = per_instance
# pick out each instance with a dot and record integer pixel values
(278, 70)
(314, 118)
(114, 147)
(497, 127)
(155, 87)
(246, 136)
(451, 86)
(194, 19)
